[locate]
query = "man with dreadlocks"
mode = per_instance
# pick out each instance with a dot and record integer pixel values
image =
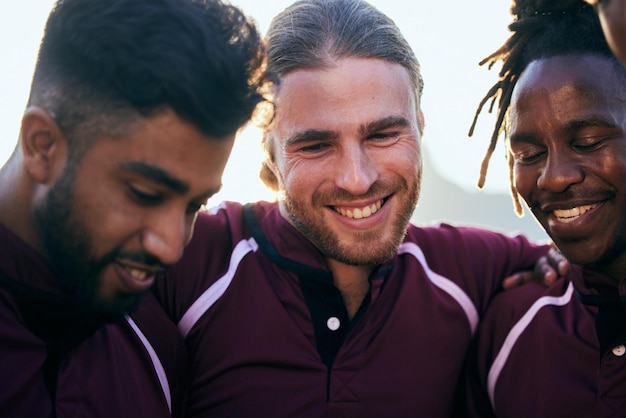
(562, 94)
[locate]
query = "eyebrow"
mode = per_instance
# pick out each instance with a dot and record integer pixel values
(521, 137)
(364, 129)
(157, 175)
(589, 122)
(384, 123)
(571, 126)
(311, 135)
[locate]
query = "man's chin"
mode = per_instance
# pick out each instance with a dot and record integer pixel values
(125, 303)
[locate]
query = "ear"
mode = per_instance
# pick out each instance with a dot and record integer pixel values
(268, 175)
(43, 145)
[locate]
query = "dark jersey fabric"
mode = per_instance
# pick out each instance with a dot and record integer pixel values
(539, 351)
(57, 360)
(269, 335)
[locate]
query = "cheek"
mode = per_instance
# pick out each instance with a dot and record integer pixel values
(110, 226)
(296, 178)
(295, 172)
(107, 213)
(406, 160)
(524, 179)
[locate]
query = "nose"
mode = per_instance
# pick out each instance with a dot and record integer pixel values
(356, 171)
(559, 172)
(167, 235)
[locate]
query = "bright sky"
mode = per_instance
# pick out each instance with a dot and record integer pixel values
(449, 38)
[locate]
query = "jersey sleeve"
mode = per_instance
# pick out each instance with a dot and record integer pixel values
(476, 259)
(204, 260)
(503, 313)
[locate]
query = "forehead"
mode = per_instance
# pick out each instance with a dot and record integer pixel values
(350, 92)
(567, 85)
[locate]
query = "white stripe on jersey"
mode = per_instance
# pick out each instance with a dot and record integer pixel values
(156, 362)
(217, 289)
(517, 330)
(444, 284)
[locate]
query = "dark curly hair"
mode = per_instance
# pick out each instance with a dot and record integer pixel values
(103, 63)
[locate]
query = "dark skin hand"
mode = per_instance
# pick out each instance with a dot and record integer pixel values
(547, 270)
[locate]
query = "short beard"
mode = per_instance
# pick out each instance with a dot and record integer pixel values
(328, 243)
(69, 251)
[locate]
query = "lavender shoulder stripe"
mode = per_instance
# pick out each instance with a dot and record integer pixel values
(217, 289)
(156, 362)
(444, 284)
(517, 330)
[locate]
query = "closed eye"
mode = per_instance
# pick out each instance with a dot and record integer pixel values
(316, 147)
(529, 159)
(528, 155)
(384, 138)
(588, 144)
(145, 197)
(384, 135)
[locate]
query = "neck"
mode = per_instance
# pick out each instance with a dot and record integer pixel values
(352, 282)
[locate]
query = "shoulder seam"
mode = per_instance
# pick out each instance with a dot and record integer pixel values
(217, 289)
(444, 284)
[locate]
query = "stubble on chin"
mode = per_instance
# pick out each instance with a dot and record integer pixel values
(362, 248)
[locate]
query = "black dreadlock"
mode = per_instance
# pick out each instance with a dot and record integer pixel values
(540, 29)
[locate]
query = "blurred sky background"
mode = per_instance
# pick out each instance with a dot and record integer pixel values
(449, 38)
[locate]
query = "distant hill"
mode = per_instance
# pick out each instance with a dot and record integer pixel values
(443, 201)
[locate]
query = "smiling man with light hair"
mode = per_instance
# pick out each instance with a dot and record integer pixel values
(328, 302)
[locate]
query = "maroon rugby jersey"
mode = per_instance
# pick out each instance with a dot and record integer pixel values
(269, 335)
(54, 363)
(539, 352)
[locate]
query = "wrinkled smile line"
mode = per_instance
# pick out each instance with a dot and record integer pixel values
(359, 212)
(570, 215)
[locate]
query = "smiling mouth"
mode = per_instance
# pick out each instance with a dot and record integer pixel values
(138, 274)
(360, 212)
(570, 215)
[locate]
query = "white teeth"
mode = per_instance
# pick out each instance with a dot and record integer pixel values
(360, 213)
(569, 215)
(138, 274)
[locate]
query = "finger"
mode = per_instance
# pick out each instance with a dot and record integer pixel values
(558, 262)
(546, 269)
(549, 277)
(517, 279)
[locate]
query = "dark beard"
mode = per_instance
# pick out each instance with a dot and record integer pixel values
(69, 250)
